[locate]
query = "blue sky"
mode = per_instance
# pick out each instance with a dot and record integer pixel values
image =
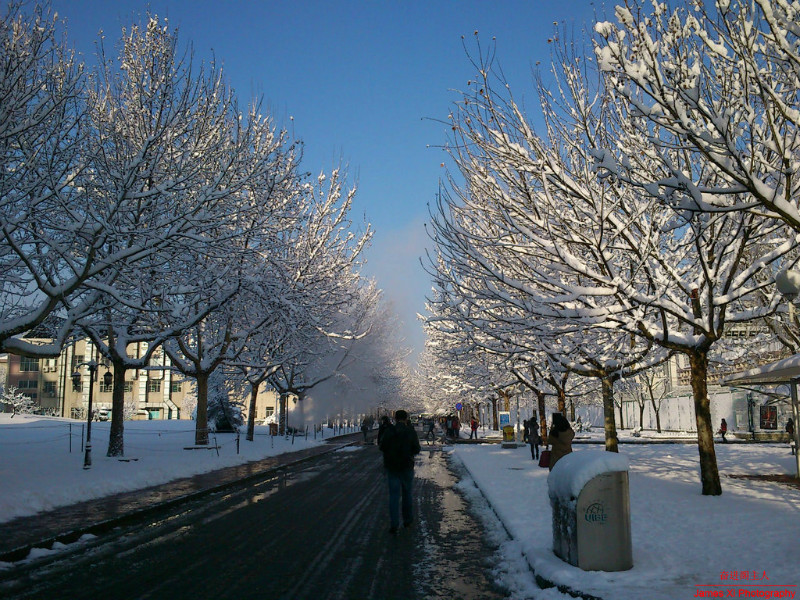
(365, 84)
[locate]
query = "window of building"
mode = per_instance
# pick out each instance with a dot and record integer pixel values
(176, 386)
(106, 389)
(154, 385)
(28, 365)
(27, 384)
(49, 388)
(269, 411)
(77, 386)
(76, 360)
(128, 387)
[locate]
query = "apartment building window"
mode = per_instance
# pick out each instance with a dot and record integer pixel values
(76, 360)
(106, 389)
(128, 387)
(29, 387)
(154, 385)
(269, 411)
(49, 388)
(176, 386)
(28, 365)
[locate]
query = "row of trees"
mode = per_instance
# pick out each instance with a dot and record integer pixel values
(140, 203)
(647, 217)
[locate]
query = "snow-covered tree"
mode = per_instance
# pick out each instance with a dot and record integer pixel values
(188, 178)
(46, 245)
(721, 83)
(538, 230)
(224, 414)
(20, 403)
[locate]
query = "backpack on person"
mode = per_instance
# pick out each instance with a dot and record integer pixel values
(397, 449)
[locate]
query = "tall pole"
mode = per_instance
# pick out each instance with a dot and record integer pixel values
(796, 415)
(87, 458)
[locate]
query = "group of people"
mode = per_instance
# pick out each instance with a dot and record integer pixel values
(559, 439)
(451, 425)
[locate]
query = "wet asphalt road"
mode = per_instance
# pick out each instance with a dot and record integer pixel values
(315, 531)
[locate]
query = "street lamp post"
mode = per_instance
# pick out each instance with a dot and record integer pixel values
(76, 379)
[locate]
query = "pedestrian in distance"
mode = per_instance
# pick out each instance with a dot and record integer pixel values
(430, 435)
(364, 429)
(534, 439)
(560, 438)
(473, 428)
(723, 429)
(399, 445)
(790, 431)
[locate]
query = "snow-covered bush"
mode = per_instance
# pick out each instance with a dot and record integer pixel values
(19, 402)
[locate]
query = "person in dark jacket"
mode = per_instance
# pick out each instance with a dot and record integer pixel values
(399, 445)
(560, 438)
(534, 439)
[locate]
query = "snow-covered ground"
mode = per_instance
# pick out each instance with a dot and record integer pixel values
(681, 540)
(38, 472)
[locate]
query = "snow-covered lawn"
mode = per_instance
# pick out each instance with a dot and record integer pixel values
(680, 538)
(38, 472)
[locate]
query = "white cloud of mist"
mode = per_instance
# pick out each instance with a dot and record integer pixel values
(394, 261)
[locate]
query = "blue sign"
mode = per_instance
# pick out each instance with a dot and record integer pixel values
(459, 406)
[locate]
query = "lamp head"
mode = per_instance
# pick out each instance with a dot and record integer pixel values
(788, 283)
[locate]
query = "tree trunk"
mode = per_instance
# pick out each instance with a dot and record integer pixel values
(116, 436)
(251, 413)
(562, 401)
(282, 416)
(201, 425)
(641, 415)
(656, 410)
(495, 420)
(607, 384)
(542, 415)
(709, 474)
(621, 416)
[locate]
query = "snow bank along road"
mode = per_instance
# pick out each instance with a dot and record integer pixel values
(315, 530)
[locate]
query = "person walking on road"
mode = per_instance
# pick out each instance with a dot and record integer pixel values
(560, 438)
(473, 428)
(399, 445)
(430, 435)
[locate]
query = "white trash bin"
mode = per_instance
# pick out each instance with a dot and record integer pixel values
(590, 499)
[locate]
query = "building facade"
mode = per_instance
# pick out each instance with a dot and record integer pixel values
(155, 392)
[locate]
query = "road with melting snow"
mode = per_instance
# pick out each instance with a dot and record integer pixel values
(317, 530)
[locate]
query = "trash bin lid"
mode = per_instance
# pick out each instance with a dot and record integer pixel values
(576, 469)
